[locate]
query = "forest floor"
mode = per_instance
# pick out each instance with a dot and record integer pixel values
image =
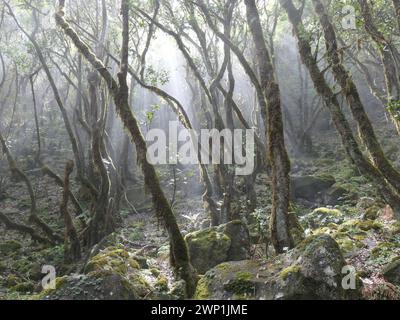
(369, 238)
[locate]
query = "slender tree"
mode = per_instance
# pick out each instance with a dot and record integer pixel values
(280, 164)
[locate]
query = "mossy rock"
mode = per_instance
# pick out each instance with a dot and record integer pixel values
(384, 252)
(12, 280)
(352, 225)
(365, 203)
(178, 290)
(24, 287)
(321, 217)
(308, 187)
(287, 272)
(337, 194)
(310, 271)
(9, 247)
(211, 246)
(161, 283)
(107, 286)
(371, 213)
(391, 271)
(115, 259)
(395, 228)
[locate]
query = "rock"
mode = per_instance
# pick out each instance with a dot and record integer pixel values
(112, 274)
(371, 213)
(107, 286)
(365, 202)
(335, 195)
(142, 261)
(322, 217)
(179, 290)
(391, 272)
(116, 259)
(211, 246)
(313, 270)
(310, 187)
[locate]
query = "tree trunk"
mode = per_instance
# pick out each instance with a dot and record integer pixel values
(280, 229)
(72, 245)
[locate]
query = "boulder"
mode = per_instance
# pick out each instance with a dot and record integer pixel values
(104, 286)
(211, 246)
(365, 203)
(313, 270)
(336, 195)
(310, 187)
(112, 274)
(321, 217)
(391, 272)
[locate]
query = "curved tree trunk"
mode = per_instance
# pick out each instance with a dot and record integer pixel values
(120, 92)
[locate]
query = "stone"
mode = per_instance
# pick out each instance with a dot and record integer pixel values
(310, 187)
(211, 246)
(313, 270)
(391, 272)
(321, 217)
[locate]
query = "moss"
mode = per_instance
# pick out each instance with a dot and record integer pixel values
(395, 228)
(12, 280)
(10, 246)
(112, 258)
(384, 250)
(351, 225)
(59, 282)
(285, 273)
(133, 263)
(323, 230)
(155, 272)
(203, 238)
(142, 261)
(139, 284)
(202, 291)
(223, 267)
(241, 284)
(372, 213)
(162, 282)
(137, 231)
(24, 287)
(328, 211)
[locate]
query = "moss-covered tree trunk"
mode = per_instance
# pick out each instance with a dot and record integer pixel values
(72, 245)
(120, 92)
(279, 160)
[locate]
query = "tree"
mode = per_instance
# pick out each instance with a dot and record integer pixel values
(280, 163)
(120, 92)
